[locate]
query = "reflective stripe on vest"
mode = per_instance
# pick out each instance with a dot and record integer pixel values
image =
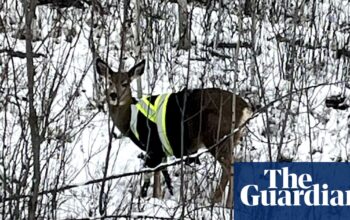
(133, 122)
(147, 109)
(155, 113)
(161, 104)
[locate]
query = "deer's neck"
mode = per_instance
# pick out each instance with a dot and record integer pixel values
(121, 116)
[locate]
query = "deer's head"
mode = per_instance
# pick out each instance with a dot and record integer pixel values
(118, 83)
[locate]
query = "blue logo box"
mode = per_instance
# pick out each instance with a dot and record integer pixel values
(291, 191)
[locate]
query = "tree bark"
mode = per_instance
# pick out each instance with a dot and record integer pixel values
(184, 32)
(36, 140)
(156, 187)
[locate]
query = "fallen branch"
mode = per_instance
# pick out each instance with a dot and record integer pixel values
(19, 54)
(65, 3)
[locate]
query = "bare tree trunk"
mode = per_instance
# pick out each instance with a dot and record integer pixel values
(137, 45)
(33, 118)
(290, 74)
(229, 199)
(184, 32)
(157, 191)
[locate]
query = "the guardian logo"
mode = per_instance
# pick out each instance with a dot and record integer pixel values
(294, 190)
(291, 191)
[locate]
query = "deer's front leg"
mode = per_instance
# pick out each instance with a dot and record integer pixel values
(168, 181)
(152, 161)
(146, 183)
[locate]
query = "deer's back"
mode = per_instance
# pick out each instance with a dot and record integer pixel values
(206, 115)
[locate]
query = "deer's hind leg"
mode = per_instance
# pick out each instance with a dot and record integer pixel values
(222, 154)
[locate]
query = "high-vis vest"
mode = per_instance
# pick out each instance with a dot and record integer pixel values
(155, 113)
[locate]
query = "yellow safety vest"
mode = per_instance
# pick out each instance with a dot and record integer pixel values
(155, 113)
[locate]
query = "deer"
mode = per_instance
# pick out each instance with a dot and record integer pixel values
(175, 124)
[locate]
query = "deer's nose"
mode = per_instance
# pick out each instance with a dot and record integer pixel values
(113, 96)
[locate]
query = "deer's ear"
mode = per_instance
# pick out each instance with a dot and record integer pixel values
(102, 68)
(137, 70)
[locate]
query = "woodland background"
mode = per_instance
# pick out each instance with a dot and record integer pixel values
(61, 158)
